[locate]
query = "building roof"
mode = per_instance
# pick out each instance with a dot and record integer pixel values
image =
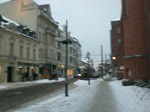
(45, 6)
(8, 21)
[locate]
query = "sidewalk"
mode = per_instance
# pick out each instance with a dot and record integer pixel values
(13, 85)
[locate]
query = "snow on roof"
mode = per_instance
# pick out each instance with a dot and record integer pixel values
(85, 60)
(28, 36)
(10, 21)
(76, 40)
(116, 19)
(45, 6)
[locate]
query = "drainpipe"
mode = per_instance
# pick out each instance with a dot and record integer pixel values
(147, 31)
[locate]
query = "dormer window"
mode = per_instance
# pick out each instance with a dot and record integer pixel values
(20, 28)
(32, 34)
(26, 31)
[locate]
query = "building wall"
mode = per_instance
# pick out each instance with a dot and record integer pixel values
(38, 19)
(13, 62)
(135, 39)
(117, 42)
(117, 48)
(61, 52)
(21, 11)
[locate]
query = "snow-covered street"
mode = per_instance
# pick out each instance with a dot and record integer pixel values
(100, 96)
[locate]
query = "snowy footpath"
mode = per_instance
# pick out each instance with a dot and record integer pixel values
(100, 96)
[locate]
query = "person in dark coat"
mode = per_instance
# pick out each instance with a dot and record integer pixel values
(34, 75)
(27, 76)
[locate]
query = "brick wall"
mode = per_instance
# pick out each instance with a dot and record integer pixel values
(136, 60)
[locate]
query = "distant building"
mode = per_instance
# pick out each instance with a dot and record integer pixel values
(117, 48)
(135, 43)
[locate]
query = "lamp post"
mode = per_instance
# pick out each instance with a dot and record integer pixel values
(66, 42)
(66, 68)
(88, 57)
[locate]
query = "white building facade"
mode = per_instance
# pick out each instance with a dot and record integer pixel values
(18, 52)
(50, 58)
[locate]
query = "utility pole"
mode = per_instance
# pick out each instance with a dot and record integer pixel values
(105, 63)
(88, 57)
(102, 59)
(66, 68)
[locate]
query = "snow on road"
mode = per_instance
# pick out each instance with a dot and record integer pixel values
(13, 85)
(82, 98)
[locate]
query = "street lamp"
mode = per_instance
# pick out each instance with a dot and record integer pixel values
(88, 57)
(66, 42)
(114, 58)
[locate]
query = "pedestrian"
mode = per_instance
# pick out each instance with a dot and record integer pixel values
(34, 75)
(27, 76)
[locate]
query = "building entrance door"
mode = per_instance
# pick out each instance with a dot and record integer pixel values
(9, 75)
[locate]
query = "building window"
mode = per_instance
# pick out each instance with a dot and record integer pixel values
(46, 53)
(43, 37)
(11, 49)
(39, 36)
(71, 60)
(41, 53)
(51, 54)
(0, 72)
(74, 62)
(118, 30)
(71, 50)
(34, 54)
(59, 56)
(28, 53)
(58, 45)
(21, 51)
(69, 72)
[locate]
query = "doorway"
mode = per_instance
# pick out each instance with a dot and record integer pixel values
(9, 75)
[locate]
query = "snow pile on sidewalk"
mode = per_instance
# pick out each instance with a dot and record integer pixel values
(107, 77)
(131, 98)
(13, 85)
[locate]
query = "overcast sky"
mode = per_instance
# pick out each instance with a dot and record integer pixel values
(88, 21)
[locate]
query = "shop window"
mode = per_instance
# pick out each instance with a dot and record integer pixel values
(69, 72)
